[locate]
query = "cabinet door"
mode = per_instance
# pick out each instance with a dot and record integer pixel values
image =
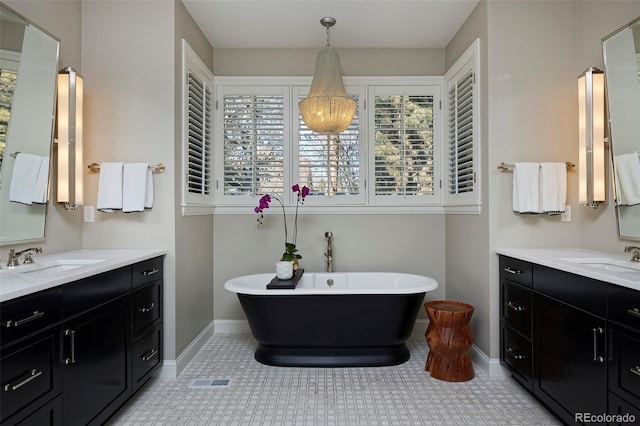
(570, 369)
(624, 369)
(95, 374)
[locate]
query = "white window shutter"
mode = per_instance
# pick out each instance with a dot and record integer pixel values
(254, 142)
(331, 165)
(405, 133)
(197, 194)
(462, 130)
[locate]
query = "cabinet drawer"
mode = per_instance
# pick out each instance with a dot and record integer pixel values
(94, 291)
(22, 317)
(49, 414)
(147, 355)
(624, 372)
(146, 306)
(516, 270)
(147, 271)
(516, 355)
(516, 307)
(30, 374)
(624, 306)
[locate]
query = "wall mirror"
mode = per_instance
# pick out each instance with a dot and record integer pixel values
(28, 71)
(621, 52)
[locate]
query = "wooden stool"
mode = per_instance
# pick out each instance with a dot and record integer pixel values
(449, 339)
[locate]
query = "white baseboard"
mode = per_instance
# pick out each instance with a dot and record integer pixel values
(232, 326)
(171, 369)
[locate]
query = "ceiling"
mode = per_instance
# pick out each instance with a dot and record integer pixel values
(359, 23)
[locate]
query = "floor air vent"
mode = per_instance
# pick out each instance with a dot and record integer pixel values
(210, 383)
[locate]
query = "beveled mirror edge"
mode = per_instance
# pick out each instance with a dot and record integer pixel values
(53, 117)
(610, 144)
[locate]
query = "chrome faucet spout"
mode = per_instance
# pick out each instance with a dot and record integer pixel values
(329, 253)
(13, 256)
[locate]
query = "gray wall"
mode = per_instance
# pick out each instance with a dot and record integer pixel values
(402, 243)
(533, 54)
(194, 234)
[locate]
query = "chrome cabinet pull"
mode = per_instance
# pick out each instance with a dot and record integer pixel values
(635, 312)
(514, 354)
(635, 370)
(150, 272)
(596, 357)
(31, 375)
(30, 317)
(72, 346)
(146, 309)
(512, 271)
(149, 355)
(515, 307)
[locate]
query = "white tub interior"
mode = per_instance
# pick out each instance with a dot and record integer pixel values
(341, 283)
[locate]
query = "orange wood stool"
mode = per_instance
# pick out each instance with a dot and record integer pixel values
(449, 339)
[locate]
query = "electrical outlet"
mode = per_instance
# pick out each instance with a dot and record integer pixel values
(566, 216)
(89, 213)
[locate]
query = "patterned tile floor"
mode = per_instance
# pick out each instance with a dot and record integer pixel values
(263, 395)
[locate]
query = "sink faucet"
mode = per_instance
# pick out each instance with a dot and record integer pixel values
(13, 256)
(635, 253)
(329, 254)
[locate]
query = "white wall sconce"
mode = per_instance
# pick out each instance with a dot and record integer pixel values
(69, 128)
(591, 133)
(327, 108)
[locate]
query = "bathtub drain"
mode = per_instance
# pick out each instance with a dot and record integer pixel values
(210, 383)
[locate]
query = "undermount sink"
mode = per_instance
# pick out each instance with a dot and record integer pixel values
(58, 265)
(607, 264)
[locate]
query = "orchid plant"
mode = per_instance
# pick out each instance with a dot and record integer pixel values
(290, 251)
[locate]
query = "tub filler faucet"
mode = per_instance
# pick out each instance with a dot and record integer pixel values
(329, 254)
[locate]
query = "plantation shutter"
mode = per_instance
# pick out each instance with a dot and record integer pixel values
(199, 136)
(463, 136)
(253, 126)
(404, 157)
(460, 135)
(329, 164)
(197, 162)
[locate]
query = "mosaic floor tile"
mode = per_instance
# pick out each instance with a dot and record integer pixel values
(260, 395)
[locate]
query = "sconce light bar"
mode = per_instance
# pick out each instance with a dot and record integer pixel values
(69, 127)
(591, 133)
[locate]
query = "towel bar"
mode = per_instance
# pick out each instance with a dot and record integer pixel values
(155, 168)
(505, 167)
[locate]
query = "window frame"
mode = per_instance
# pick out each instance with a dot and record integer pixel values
(325, 204)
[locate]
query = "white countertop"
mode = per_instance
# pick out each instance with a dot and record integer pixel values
(557, 258)
(19, 281)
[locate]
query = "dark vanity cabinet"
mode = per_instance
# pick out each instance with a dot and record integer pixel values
(573, 341)
(87, 346)
(30, 371)
(624, 357)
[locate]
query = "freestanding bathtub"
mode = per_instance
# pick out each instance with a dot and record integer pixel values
(362, 319)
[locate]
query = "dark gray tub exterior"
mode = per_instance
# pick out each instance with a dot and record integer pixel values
(336, 330)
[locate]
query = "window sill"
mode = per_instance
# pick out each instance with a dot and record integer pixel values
(224, 210)
(197, 210)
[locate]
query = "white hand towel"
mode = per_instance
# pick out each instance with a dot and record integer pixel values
(40, 189)
(24, 178)
(553, 187)
(526, 188)
(134, 192)
(627, 169)
(110, 187)
(148, 202)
